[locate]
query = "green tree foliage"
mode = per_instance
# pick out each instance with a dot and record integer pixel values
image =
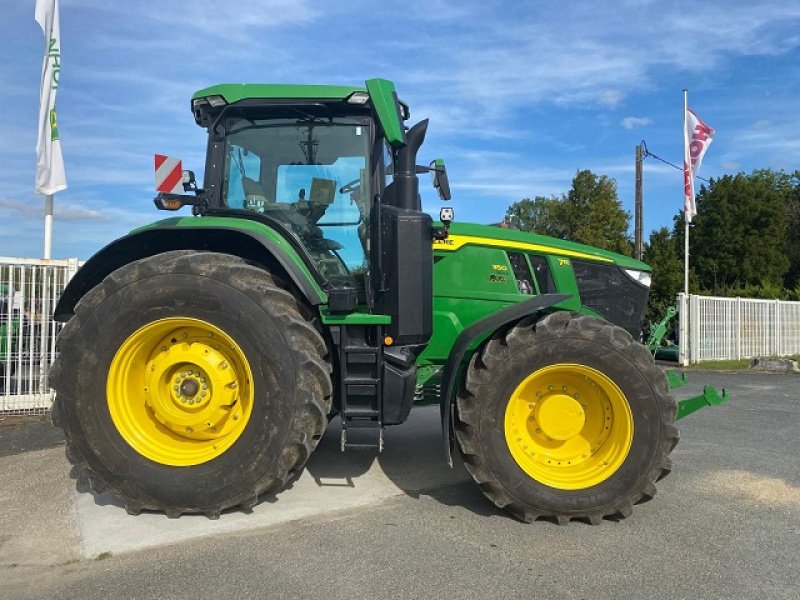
(738, 237)
(664, 255)
(792, 243)
(590, 213)
(540, 215)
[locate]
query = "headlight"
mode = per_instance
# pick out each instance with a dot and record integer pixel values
(642, 277)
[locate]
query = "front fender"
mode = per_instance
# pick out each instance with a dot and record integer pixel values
(251, 240)
(465, 339)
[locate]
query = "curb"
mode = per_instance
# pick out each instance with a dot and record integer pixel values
(780, 365)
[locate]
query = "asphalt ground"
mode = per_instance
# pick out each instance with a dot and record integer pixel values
(725, 524)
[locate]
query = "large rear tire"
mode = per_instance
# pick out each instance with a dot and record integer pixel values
(190, 382)
(565, 418)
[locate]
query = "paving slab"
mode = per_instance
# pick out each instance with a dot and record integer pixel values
(37, 518)
(412, 462)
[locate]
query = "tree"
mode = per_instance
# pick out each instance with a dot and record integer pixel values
(739, 234)
(663, 254)
(590, 213)
(792, 243)
(540, 215)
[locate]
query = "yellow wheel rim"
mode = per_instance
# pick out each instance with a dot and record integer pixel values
(180, 391)
(568, 426)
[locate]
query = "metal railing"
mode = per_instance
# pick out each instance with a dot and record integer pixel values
(29, 290)
(735, 328)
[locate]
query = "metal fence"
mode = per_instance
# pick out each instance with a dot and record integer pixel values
(735, 328)
(29, 290)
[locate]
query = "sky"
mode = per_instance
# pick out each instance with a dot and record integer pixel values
(520, 95)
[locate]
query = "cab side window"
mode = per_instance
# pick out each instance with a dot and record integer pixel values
(541, 270)
(522, 273)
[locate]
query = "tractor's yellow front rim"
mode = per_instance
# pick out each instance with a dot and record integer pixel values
(180, 391)
(568, 426)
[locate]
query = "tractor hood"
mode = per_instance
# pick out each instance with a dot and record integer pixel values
(465, 233)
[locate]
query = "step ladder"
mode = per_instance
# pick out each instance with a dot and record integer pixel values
(360, 385)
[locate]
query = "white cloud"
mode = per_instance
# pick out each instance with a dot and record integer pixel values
(61, 211)
(634, 122)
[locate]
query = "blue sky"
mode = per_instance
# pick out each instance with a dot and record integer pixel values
(520, 94)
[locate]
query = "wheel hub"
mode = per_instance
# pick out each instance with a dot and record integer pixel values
(560, 417)
(189, 387)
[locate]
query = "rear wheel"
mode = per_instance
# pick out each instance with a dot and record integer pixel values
(566, 418)
(191, 382)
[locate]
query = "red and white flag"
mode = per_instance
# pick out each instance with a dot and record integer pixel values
(697, 137)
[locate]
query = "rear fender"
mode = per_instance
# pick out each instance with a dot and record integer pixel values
(250, 242)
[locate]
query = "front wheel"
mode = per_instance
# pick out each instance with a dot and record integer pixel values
(190, 382)
(565, 418)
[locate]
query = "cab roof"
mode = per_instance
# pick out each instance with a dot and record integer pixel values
(234, 92)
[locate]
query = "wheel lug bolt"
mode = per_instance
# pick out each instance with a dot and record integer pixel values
(205, 386)
(202, 394)
(191, 401)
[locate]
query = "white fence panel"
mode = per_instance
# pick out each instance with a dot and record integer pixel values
(733, 328)
(29, 290)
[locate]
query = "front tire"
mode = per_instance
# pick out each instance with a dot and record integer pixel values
(190, 382)
(565, 418)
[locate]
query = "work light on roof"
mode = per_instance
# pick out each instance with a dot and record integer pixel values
(216, 101)
(358, 98)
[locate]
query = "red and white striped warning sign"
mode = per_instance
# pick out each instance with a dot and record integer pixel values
(169, 175)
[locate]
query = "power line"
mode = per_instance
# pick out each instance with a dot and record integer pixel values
(666, 162)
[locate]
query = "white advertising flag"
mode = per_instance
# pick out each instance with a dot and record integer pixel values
(697, 137)
(50, 176)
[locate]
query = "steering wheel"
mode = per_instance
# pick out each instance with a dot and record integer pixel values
(350, 186)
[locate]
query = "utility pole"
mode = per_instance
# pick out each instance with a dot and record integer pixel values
(638, 246)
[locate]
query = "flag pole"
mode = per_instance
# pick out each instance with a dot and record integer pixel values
(48, 226)
(685, 215)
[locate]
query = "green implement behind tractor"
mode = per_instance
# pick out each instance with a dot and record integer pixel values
(204, 355)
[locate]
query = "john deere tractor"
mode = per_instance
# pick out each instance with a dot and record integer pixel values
(205, 355)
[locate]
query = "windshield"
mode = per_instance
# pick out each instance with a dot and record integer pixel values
(310, 174)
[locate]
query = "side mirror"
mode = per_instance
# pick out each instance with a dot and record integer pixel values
(440, 181)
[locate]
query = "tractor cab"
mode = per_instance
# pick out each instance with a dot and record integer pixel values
(335, 169)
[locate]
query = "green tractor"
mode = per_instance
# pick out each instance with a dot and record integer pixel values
(204, 355)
